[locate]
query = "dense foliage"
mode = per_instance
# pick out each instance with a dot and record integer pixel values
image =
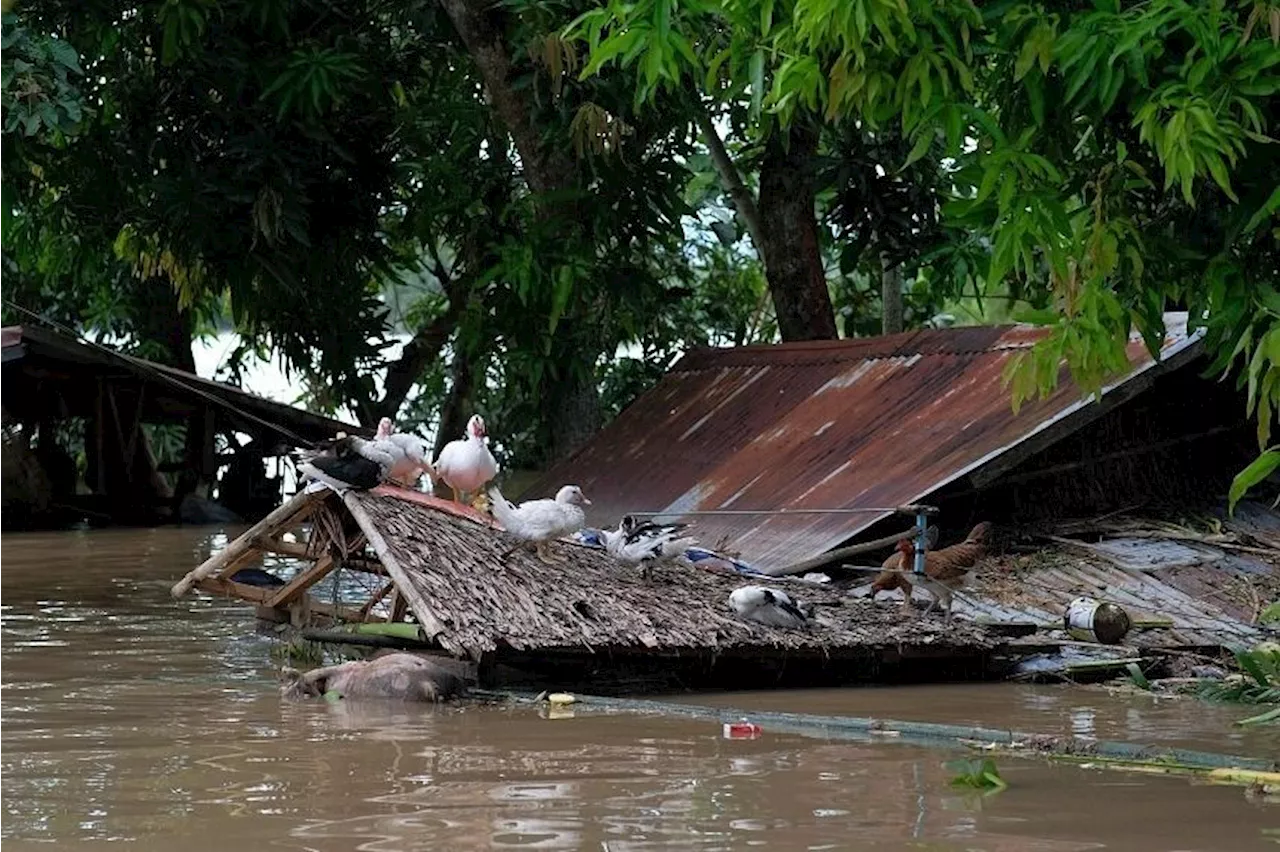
(563, 196)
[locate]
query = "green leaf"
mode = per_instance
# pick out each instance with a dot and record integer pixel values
(1267, 210)
(65, 55)
(1258, 470)
(924, 138)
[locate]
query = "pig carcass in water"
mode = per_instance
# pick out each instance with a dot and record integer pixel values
(398, 677)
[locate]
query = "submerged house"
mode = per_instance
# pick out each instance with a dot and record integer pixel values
(62, 395)
(800, 448)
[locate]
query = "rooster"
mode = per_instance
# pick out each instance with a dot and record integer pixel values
(945, 570)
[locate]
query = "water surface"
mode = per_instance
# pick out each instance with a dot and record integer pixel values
(128, 716)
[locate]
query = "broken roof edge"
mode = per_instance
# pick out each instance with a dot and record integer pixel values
(231, 397)
(981, 339)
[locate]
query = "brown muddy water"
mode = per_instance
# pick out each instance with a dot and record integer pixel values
(126, 716)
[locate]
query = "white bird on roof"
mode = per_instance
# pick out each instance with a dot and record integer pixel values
(540, 521)
(765, 605)
(646, 544)
(466, 464)
(409, 454)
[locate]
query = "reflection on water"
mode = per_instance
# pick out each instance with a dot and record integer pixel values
(128, 716)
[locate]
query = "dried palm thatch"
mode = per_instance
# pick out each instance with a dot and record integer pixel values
(470, 601)
(442, 567)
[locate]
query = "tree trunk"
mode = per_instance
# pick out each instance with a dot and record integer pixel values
(575, 413)
(547, 168)
(423, 348)
(891, 297)
(797, 280)
(743, 201)
(573, 404)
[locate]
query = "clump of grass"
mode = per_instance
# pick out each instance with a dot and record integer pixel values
(299, 652)
(980, 774)
(1258, 683)
(1270, 614)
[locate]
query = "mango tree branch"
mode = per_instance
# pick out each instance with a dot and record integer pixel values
(743, 200)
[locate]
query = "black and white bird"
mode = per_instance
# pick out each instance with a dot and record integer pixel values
(646, 544)
(347, 462)
(773, 607)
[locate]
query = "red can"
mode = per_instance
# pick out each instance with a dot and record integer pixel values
(743, 730)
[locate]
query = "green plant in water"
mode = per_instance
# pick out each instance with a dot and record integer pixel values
(299, 652)
(1137, 678)
(1258, 683)
(980, 774)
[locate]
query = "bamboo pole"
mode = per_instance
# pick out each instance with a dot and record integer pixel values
(431, 626)
(836, 555)
(301, 502)
(303, 580)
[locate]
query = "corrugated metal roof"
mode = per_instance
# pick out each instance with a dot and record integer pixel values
(870, 422)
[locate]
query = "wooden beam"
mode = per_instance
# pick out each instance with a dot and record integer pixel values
(430, 624)
(302, 502)
(303, 580)
(386, 589)
(285, 548)
(258, 595)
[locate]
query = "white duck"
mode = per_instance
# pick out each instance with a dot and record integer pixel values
(539, 521)
(409, 454)
(768, 606)
(347, 462)
(466, 464)
(646, 544)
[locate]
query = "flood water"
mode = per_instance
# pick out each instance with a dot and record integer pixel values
(126, 716)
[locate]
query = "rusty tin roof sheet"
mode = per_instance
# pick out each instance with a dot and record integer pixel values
(874, 422)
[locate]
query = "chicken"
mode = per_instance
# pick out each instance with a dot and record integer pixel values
(538, 521)
(466, 465)
(646, 544)
(410, 457)
(348, 462)
(945, 570)
(768, 606)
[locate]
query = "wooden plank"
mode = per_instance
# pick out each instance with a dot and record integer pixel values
(302, 502)
(431, 625)
(303, 580)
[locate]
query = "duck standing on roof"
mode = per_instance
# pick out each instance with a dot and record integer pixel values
(466, 465)
(538, 521)
(410, 458)
(645, 543)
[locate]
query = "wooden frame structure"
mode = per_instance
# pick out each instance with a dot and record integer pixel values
(411, 557)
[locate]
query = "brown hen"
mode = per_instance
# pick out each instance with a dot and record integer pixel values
(945, 570)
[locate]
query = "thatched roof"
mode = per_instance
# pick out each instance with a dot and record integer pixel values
(470, 601)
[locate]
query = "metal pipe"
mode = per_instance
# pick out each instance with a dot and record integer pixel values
(923, 733)
(904, 510)
(921, 525)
